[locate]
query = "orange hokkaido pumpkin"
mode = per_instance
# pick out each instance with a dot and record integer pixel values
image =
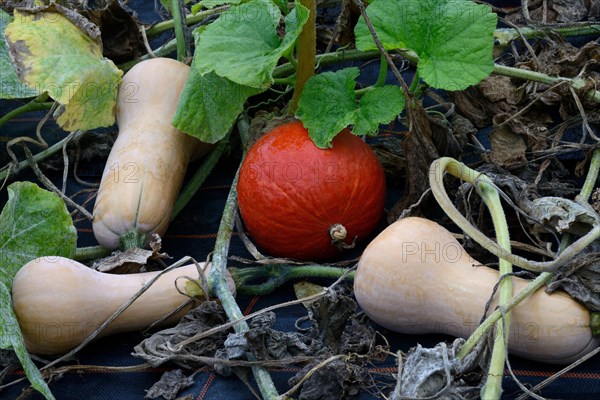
(303, 202)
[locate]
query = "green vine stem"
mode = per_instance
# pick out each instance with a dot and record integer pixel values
(504, 36)
(459, 170)
(307, 51)
(190, 19)
(383, 70)
(90, 253)
(543, 278)
(590, 179)
(278, 274)
(208, 164)
(162, 51)
(492, 389)
(42, 155)
(175, 8)
(37, 104)
(219, 287)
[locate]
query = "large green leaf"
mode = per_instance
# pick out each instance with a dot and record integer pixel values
(209, 105)
(60, 52)
(328, 105)
(453, 38)
(11, 86)
(33, 223)
(242, 45)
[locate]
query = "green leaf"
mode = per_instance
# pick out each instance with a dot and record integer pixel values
(242, 45)
(60, 52)
(209, 105)
(10, 84)
(328, 104)
(33, 223)
(453, 38)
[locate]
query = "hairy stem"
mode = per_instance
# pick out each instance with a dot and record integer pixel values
(493, 386)
(218, 284)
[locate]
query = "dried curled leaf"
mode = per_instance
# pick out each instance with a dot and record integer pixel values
(564, 215)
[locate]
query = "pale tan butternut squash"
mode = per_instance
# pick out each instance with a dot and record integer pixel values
(416, 278)
(59, 302)
(146, 166)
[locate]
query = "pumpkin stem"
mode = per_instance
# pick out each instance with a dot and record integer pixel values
(338, 234)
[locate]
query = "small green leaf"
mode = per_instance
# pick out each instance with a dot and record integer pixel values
(54, 53)
(209, 105)
(11, 86)
(328, 104)
(242, 45)
(33, 223)
(453, 38)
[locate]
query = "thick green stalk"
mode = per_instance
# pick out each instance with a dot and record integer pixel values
(218, 284)
(208, 164)
(492, 389)
(307, 51)
(179, 20)
(383, 69)
(590, 179)
(37, 104)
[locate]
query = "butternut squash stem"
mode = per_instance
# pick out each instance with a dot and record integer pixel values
(459, 170)
(218, 282)
(207, 166)
(493, 385)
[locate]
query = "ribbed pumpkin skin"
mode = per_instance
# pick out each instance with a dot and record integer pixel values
(290, 192)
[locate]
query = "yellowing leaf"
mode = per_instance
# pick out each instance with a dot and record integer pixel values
(54, 54)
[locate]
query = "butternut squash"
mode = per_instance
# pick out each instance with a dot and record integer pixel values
(146, 166)
(59, 302)
(416, 278)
